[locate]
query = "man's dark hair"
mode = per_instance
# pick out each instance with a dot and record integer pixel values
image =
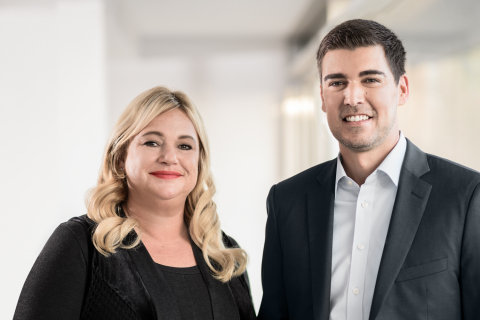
(357, 33)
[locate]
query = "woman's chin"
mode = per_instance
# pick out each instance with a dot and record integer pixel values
(170, 195)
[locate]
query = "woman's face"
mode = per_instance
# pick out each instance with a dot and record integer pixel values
(162, 160)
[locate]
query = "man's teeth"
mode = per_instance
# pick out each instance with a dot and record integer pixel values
(356, 118)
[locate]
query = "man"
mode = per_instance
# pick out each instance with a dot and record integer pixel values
(384, 231)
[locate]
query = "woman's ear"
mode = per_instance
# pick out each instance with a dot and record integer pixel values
(120, 164)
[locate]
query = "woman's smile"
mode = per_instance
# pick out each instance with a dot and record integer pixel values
(167, 175)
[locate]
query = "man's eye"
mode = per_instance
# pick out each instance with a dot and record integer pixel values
(371, 80)
(185, 147)
(151, 144)
(335, 83)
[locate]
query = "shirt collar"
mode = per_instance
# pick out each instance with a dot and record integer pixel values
(391, 165)
(340, 172)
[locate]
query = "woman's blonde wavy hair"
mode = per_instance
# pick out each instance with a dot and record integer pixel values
(200, 215)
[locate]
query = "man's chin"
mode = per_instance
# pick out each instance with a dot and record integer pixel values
(358, 145)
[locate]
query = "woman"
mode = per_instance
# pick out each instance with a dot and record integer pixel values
(151, 246)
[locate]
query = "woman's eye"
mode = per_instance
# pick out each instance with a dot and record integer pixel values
(151, 144)
(185, 147)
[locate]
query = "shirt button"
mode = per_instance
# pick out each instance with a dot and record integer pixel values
(365, 204)
(361, 246)
(356, 291)
(349, 182)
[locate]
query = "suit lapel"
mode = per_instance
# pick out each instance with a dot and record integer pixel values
(320, 204)
(223, 303)
(410, 202)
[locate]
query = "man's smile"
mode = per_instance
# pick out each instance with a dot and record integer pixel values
(356, 118)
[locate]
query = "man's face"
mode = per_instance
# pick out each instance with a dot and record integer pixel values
(360, 97)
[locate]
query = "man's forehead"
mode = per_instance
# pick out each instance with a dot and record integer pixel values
(353, 62)
(358, 50)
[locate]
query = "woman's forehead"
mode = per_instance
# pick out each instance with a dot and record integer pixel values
(173, 123)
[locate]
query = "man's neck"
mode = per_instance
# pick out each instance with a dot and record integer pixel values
(359, 165)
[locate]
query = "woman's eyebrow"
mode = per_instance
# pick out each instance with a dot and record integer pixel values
(154, 133)
(161, 135)
(186, 136)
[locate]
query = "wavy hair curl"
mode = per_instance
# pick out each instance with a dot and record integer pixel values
(200, 215)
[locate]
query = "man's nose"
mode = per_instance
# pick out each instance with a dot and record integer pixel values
(354, 94)
(168, 154)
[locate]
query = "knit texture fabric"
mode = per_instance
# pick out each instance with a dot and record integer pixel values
(104, 301)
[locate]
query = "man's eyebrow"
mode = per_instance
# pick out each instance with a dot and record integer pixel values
(335, 76)
(369, 72)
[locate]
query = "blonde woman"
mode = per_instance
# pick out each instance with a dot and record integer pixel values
(151, 245)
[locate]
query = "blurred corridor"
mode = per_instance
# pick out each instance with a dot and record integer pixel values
(69, 67)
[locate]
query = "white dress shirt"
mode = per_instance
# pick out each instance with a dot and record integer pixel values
(361, 219)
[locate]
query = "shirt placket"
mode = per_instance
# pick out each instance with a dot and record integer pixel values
(361, 239)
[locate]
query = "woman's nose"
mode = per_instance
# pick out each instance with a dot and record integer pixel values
(168, 154)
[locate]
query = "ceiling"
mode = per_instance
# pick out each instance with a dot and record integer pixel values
(428, 28)
(265, 19)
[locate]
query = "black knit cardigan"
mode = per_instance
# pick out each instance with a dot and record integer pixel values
(128, 285)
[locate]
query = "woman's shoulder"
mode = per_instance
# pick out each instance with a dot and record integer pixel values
(76, 232)
(81, 225)
(75, 229)
(76, 222)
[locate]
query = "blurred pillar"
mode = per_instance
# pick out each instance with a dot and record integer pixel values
(52, 108)
(81, 101)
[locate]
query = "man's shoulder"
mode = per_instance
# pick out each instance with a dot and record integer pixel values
(451, 170)
(448, 167)
(308, 178)
(438, 171)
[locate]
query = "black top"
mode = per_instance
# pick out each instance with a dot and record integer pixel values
(190, 291)
(71, 280)
(55, 287)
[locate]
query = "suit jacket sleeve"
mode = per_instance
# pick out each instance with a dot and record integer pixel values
(470, 260)
(55, 287)
(274, 301)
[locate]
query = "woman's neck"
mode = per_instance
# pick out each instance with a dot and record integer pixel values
(163, 232)
(162, 222)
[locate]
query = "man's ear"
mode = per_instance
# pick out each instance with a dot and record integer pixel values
(404, 90)
(324, 109)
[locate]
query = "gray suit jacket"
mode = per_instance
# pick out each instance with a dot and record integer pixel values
(430, 267)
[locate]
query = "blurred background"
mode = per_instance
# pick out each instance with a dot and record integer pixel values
(68, 68)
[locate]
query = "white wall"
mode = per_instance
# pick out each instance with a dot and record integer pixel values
(53, 127)
(441, 116)
(61, 93)
(237, 94)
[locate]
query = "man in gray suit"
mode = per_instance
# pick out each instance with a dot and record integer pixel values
(384, 231)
